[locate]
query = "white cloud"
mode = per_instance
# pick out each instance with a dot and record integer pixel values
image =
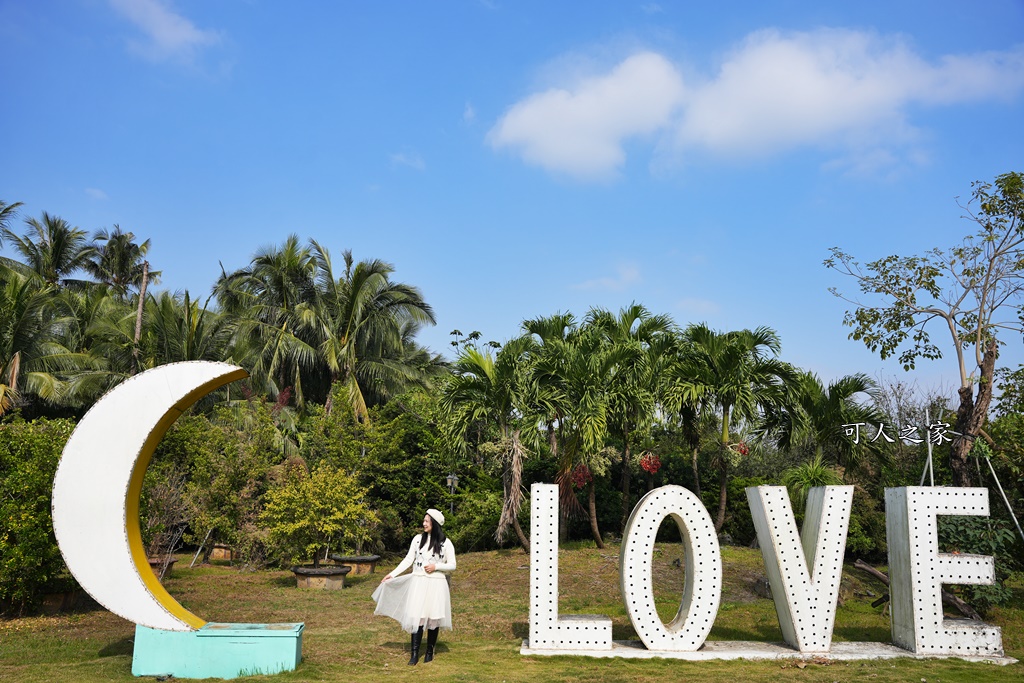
(169, 36)
(410, 159)
(833, 89)
(625, 275)
(877, 162)
(829, 87)
(96, 193)
(580, 131)
(697, 306)
(468, 114)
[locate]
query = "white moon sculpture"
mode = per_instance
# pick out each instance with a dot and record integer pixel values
(98, 482)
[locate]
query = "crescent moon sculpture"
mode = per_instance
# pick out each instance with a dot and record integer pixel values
(99, 479)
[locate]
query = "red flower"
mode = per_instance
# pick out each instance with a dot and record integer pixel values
(649, 462)
(742, 448)
(581, 476)
(282, 401)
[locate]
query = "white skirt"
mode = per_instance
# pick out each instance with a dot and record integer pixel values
(415, 600)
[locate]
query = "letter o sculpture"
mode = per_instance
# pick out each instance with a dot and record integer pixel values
(703, 586)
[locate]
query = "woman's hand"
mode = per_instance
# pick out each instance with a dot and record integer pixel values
(430, 568)
(387, 577)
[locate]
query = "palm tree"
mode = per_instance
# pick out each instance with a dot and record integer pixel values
(492, 391)
(587, 368)
(695, 418)
(177, 329)
(548, 356)
(298, 326)
(52, 249)
(119, 262)
(96, 324)
(272, 306)
(738, 375)
(23, 329)
(814, 416)
(366, 327)
(7, 214)
(639, 340)
(33, 362)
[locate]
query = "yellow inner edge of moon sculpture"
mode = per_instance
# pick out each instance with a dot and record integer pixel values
(133, 530)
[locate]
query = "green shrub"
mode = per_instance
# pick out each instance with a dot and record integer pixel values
(334, 437)
(312, 512)
(30, 562)
(401, 474)
(471, 527)
(608, 502)
(866, 535)
(738, 522)
(981, 536)
(230, 459)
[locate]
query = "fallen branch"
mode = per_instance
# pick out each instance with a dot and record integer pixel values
(947, 597)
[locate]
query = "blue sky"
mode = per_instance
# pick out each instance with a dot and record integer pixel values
(517, 159)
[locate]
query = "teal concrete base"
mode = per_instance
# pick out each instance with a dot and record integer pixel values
(218, 650)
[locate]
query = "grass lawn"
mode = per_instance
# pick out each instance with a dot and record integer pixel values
(344, 642)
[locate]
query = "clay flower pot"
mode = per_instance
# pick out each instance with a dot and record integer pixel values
(157, 564)
(321, 578)
(360, 564)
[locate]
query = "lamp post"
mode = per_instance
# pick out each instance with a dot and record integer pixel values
(453, 481)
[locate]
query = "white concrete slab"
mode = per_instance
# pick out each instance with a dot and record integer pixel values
(728, 650)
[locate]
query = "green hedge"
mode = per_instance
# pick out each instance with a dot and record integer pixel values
(30, 562)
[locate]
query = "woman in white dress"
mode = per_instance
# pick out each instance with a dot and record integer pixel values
(421, 599)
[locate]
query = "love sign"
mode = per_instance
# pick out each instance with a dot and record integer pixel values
(804, 570)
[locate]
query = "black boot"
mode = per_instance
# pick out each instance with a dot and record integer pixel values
(431, 642)
(414, 656)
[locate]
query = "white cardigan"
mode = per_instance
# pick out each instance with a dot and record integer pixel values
(418, 558)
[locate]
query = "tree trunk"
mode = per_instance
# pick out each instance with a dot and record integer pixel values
(569, 506)
(696, 472)
(723, 490)
(512, 478)
(563, 512)
(523, 541)
(970, 417)
(564, 486)
(723, 472)
(138, 317)
(592, 509)
(625, 481)
(947, 597)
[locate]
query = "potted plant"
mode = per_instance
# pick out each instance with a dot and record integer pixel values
(311, 511)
